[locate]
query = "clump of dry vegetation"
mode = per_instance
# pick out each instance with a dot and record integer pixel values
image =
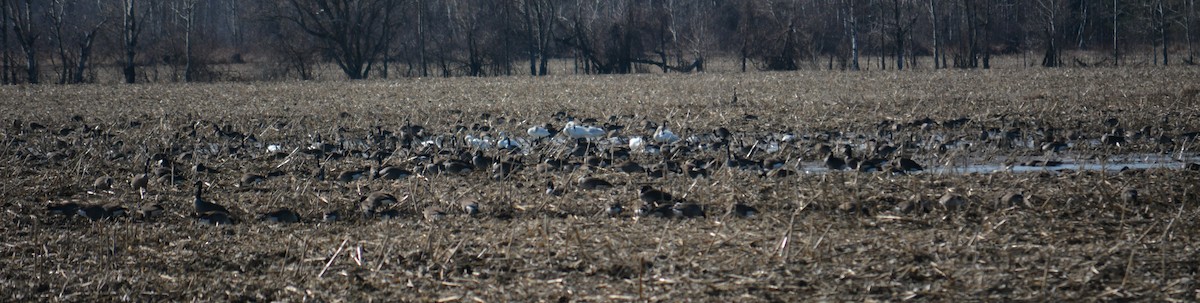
(820, 234)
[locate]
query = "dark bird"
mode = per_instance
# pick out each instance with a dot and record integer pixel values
(1129, 195)
(433, 213)
(908, 165)
(834, 163)
(64, 208)
(150, 211)
(392, 173)
(651, 210)
(103, 183)
(1013, 199)
(282, 215)
(350, 175)
(614, 209)
(594, 183)
(250, 179)
(653, 196)
(203, 207)
(214, 218)
(140, 181)
(371, 204)
(553, 191)
(743, 211)
(93, 212)
(687, 210)
(332, 216)
(469, 206)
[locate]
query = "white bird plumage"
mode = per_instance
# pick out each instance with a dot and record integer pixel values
(665, 135)
(576, 131)
(636, 144)
(479, 143)
(538, 132)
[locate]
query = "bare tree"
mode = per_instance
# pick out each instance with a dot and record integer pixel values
(350, 30)
(26, 29)
(131, 30)
(1050, 13)
(933, 17)
(187, 12)
(851, 24)
(1187, 26)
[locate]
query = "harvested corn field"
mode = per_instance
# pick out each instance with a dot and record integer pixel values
(1031, 184)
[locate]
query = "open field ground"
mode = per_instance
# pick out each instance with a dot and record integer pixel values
(1022, 196)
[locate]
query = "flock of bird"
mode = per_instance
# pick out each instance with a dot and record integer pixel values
(587, 147)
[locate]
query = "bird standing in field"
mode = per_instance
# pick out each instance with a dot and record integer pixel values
(204, 207)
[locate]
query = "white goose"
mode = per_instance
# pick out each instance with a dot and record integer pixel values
(576, 131)
(538, 132)
(665, 135)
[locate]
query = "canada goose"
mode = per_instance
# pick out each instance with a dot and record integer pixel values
(551, 190)
(370, 204)
(113, 210)
(651, 210)
(250, 179)
(140, 181)
(392, 173)
(149, 211)
(433, 213)
(908, 165)
(64, 208)
(214, 218)
(653, 196)
(1129, 195)
(93, 212)
(350, 175)
(480, 161)
(282, 215)
(952, 201)
(204, 169)
(1013, 199)
(591, 183)
(457, 167)
(203, 207)
(389, 214)
(834, 163)
(469, 206)
(103, 183)
(614, 209)
(630, 167)
(332, 216)
(743, 211)
(687, 210)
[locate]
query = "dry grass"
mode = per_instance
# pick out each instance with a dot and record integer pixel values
(821, 237)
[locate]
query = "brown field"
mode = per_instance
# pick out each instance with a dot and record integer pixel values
(820, 236)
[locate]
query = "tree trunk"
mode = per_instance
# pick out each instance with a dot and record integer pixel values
(936, 47)
(1115, 50)
(131, 31)
(85, 52)
(187, 40)
(4, 20)
(1163, 31)
(1188, 31)
(853, 36)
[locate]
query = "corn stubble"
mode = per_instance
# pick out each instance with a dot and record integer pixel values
(840, 236)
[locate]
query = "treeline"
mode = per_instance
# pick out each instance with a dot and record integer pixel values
(68, 41)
